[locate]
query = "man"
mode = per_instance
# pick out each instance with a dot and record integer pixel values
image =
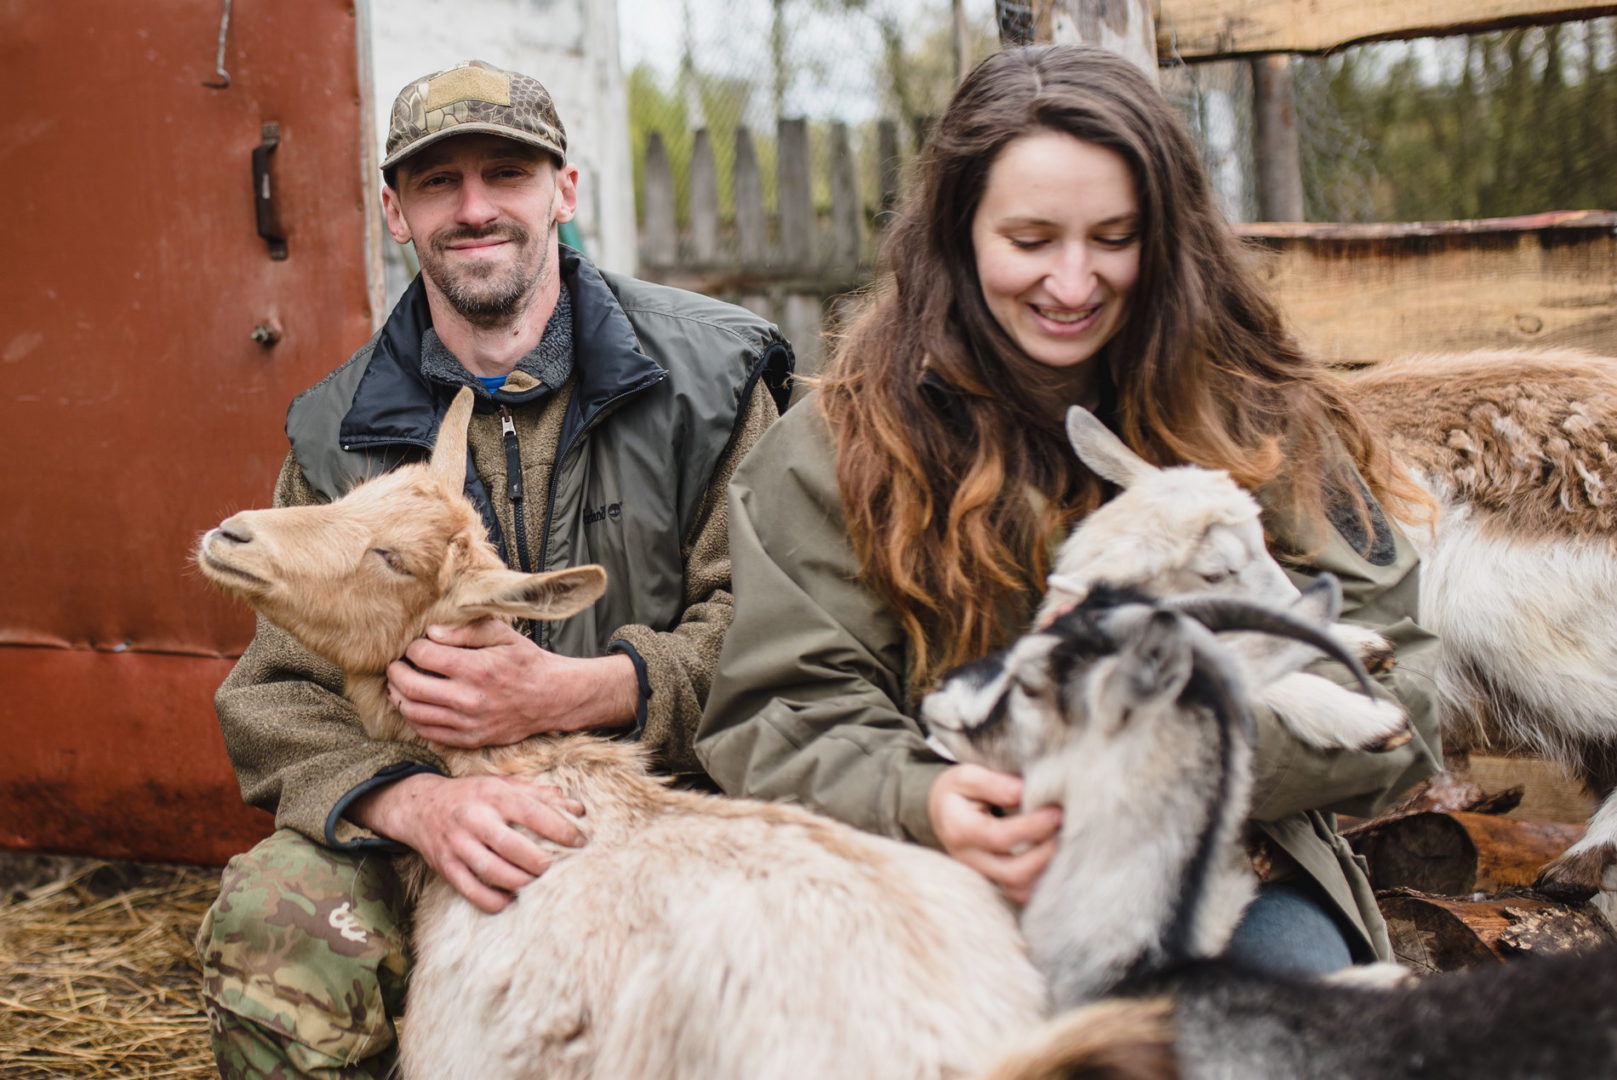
(611, 413)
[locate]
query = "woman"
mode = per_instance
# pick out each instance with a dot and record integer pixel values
(1059, 246)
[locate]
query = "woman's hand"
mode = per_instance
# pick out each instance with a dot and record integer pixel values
(1012, 849)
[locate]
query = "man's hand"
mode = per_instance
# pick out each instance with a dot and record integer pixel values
(484, 684)
(1011, 851)
(466, 829)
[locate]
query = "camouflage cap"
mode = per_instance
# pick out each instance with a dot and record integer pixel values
(469, 98)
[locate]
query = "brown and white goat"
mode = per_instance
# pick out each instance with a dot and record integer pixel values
(692, 936)
(1519, 574)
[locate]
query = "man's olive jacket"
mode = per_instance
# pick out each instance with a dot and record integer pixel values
(811, 700)
(624, 465)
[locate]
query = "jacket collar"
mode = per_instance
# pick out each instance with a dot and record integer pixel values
(395, 403)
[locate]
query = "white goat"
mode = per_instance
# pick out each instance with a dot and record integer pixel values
(1519, 579)
(1188, 529)
(692, 936)
(1137, 716)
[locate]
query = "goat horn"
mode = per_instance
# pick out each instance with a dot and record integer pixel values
(1221, 613)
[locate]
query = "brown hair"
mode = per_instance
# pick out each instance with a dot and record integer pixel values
(951, 460)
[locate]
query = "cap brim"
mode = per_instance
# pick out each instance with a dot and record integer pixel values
(473, 128)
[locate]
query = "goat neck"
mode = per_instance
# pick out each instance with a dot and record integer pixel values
(1154, 777)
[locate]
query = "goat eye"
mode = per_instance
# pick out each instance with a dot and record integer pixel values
(394, 563)
(1216, 577)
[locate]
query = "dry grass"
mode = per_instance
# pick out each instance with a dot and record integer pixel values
(98, 977)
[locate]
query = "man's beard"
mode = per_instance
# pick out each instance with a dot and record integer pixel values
(487, 296)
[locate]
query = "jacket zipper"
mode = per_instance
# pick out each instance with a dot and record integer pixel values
(514, 488)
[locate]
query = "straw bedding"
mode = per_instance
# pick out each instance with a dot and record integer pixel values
(97, 973)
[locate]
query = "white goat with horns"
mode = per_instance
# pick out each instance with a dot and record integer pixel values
(1126, 712)
(1137, 716)
(692, 936)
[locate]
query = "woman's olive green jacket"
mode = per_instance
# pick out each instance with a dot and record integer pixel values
(810, 703)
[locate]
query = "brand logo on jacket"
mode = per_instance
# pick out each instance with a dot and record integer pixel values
(602, 512)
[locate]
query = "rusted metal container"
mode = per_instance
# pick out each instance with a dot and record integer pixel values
(182, 259)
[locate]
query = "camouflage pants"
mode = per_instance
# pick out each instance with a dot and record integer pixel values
(304, 957)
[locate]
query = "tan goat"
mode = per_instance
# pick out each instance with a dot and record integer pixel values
(1519, 575)
(692, 936)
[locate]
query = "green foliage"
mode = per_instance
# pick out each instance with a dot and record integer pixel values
(1493, 125)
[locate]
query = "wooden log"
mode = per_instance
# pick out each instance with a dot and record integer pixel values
(703, 205)
(847, 210)
(1433, 933)
(1276, 151)
(1459, 853)
(748, 187)
(658, 235)
(1355, 294)
(796, 210)
(1195, 30)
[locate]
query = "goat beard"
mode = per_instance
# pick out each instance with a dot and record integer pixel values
(489, 296)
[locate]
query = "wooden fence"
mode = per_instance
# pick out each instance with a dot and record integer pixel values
(786, 262)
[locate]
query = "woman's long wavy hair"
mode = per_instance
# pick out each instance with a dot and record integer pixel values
(953, 466)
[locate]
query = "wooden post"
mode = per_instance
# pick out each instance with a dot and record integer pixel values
(704, 200)
(659, 240)
(748, 187)
(796, 208)
(1274, 138)
(887, 152)
(962, 40)
(847, 210)
(800, 321)
(1126, 27)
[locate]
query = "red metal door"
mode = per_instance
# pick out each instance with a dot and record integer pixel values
(138, 409)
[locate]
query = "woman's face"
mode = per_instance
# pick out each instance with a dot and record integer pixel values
(1057, 242)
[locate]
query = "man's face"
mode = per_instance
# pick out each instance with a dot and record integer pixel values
(482, 211)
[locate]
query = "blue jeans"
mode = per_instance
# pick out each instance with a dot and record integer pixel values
(1288, 931)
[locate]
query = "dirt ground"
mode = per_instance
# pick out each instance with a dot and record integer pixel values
(98, 978)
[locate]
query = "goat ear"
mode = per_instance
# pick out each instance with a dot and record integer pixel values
(449, 450)
(1104, 453)
(555, 594)
(1156, 662)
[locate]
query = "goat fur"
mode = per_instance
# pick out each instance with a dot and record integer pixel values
(1532, 1019)
(1184, 529)
(692, 936)
(1519, 575)
(1132, 717)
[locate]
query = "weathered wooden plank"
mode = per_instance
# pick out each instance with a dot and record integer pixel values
(704, 199)
(1219, 29)
(747, 186)
(659, 235)
(847, 210)
(1356, 294)
(796, 211)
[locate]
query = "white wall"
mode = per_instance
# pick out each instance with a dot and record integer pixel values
(569, 45)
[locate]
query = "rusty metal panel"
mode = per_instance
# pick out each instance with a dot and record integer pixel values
(138, 408)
